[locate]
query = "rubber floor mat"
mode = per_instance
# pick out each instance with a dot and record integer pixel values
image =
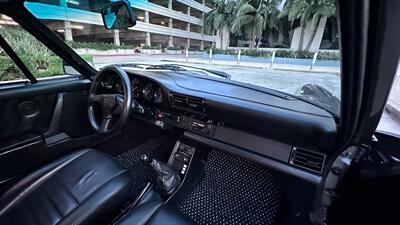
(232, 191)
(159, 148)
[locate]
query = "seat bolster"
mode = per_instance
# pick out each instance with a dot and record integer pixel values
(101, 205)
(29, 183)
(141, 214)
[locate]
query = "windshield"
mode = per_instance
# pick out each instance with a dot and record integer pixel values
(289, 46)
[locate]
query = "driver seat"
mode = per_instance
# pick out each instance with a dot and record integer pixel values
(85, 187)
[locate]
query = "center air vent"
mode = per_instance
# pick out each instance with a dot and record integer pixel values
(193, 104)
(306, 159)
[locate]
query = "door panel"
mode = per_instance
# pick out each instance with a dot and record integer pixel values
(25, 116)
(370, 192)
(40, 122)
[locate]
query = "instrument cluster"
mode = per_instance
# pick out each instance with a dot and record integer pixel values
(147, 91)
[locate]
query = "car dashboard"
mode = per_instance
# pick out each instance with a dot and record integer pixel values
(269, 126)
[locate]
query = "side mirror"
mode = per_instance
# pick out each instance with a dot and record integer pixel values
(118, 15)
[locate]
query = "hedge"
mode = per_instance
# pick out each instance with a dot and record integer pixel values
(37, 58)
(98, 45)
(174, 48)
(151, 47)
(51, 66)
(280, 53)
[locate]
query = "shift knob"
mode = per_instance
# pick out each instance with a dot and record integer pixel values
(167, 179)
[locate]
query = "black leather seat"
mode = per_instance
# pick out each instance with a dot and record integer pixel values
(86, 187)
(155, 213)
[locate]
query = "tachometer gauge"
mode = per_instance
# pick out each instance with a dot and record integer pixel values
(135, 86)
(148, 92)
(158, 96)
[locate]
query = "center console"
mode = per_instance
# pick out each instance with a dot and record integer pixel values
(181, 157)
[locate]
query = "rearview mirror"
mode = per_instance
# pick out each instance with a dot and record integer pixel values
(118, 15)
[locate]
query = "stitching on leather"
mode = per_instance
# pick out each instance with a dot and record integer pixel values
(101, 204)
(42, 179)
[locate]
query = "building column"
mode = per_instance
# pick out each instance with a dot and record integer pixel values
(188, 29)
(171, 38)
(116, 37)
(202, 29)
(68, 31)
(147, 20)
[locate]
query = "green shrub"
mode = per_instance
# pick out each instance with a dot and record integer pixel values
(37, 58)
(194, 48)
(8, 70)
(87, 57)
(329, 56)
(101, 46)
(294, 54)
(151, 47)
(279, 53)
(256, 53)
(174, 48)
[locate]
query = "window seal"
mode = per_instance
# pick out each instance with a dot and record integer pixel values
(17, 60)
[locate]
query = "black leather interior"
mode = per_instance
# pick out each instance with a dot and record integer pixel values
(85, 187)
(155, 213)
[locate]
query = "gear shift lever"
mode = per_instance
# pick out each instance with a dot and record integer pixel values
(167, 179)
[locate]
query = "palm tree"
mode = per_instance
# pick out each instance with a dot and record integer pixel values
(219, 18)
(306, 11)
(273, 23)
(298, 10)
(251, 18)
(321, 8)
(248, 19)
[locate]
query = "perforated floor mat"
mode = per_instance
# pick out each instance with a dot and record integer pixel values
(233, 191)
(159, 148)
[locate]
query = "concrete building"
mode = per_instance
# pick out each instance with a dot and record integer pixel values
(162, 23)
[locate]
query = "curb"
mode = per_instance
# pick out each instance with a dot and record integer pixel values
(277, 67)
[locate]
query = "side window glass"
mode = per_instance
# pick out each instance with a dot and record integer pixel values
(36, 56)
(390, 121)
(8, 70)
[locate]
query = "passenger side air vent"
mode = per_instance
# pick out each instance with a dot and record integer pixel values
(189, 103)
(306, 159)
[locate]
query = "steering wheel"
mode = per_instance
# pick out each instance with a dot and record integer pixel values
(113, 105)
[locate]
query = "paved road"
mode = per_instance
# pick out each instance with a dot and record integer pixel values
(283, 80)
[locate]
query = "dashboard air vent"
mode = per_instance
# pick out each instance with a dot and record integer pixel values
(306, 159)
(190, 103)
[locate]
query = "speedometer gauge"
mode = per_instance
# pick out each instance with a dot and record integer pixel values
(148, 92)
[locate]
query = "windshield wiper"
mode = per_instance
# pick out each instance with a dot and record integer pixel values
(134, 65)
(172, 67)
(182, 68)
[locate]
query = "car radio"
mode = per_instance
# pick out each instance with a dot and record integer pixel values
(189, 123)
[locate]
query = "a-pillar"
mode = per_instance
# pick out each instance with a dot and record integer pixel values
(116, 37)
(68, 31)
(147, 20)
